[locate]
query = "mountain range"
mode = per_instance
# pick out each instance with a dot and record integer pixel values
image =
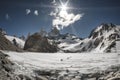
(103, 38)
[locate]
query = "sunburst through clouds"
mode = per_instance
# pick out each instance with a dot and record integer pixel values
(62, 18)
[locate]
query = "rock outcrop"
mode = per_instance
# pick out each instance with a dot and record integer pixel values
(112, 73)
(6, 70)
(37, 43)
(5, 44)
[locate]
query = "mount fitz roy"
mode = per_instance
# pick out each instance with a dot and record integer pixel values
(104, 38)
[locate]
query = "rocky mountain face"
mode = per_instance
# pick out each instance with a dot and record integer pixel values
(101, 39)
(5, 44)
(37, 43)
(15, 41)
(6, 70)
(105, 36)
(64, 41)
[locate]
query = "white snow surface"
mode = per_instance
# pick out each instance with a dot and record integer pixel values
(89, 43)
(20, 42)
(26, 62)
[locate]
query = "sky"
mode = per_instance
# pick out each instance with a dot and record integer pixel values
(79, 17)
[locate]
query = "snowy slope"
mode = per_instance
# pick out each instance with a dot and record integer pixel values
(101, 40)
(85, 63)
(66, 40)
(19, 41)
(118, 46)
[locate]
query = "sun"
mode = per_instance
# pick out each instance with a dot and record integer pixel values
(63, 7)
(63, 11)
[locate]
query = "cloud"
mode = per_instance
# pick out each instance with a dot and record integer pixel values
(36, 12)
(54, 1)
(28, 11)
(7, 16)
(64, 19)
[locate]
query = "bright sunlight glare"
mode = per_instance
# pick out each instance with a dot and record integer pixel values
(64, 7)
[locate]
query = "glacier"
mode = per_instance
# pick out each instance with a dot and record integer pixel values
(26, 62)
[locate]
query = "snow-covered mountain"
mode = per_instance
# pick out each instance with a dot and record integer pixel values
(19, 41)
(5, 44)
(64, 41)
(104, 38)
(101, 39)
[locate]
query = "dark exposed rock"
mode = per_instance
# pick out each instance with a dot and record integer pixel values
(101, 39)
(37, 43)
(6, 68)
(111, 46)
(112, 74)
(14, 42)
(24, 77)
(102, 35)
(98, 41)
(41, 78)
(43, 73)
(104, 27)
(5, 44)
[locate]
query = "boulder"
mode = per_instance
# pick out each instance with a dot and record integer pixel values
(37, 43)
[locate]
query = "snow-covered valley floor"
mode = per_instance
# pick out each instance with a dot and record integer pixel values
(26, 62)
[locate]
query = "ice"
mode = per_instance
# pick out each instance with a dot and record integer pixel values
(82, 62)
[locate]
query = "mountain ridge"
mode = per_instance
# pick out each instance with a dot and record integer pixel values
(101, 39)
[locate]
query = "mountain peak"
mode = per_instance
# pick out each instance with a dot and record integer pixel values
(103, 29)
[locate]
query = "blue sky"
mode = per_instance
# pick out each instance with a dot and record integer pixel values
(15, 21)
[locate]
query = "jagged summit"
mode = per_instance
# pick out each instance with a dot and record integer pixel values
(38, 43)
(102, 29)
(105, 36)
(101, 39)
